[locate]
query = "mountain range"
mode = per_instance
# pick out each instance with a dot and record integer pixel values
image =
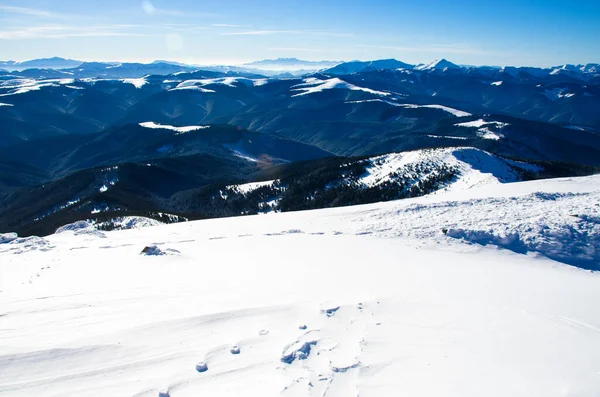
(178, 134)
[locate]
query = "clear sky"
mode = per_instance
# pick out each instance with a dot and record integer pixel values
(482, 32)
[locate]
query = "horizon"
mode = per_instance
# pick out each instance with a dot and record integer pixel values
(174, 61)
(540, 33)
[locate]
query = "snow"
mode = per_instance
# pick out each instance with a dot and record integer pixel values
(193, 87)
(391, 304)
(260, 82)
(462, 138)
(455, 112)
(227, 81)
(6, 104)
(440, 64)
(138, 83)
(179, 130)
(497, 83)
(249, 187)
(557, 93)
(474, 167)
(246, 157)
(486, 133)
(480, 123)
(313, 85)
(22, 86)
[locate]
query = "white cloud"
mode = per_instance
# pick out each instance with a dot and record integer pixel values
(62, 31)
(313, 33)
(29, 11)
(150, 9)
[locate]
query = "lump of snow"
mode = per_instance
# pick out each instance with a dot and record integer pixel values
(201, 367)
(164, 393)
(6, 104)
(235, 349)
(73, 227)
(299, 351)
(497, 83)
(7, 237)
(153, 250)
(103, 189)
(179, 130)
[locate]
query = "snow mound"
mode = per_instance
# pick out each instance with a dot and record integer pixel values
(154, 250)
(128, 222)
(7, 237)
(21, 245)
(179, 130)
(313, 85)
(74, 227)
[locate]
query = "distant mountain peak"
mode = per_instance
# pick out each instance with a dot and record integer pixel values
(289, 64)
(439, 64)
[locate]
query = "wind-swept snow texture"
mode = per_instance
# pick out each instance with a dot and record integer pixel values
(463, 293)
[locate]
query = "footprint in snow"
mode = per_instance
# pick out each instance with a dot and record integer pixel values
(164, 393)
(235, 349)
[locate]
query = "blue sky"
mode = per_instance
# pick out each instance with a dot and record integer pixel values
(502, 32)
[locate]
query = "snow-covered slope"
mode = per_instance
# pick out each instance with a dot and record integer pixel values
(399, 298)
(312, 85)
(439, 65)
(472, 167)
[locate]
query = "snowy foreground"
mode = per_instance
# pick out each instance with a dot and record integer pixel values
(452, 294)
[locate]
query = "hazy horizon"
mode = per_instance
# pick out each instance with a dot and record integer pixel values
(537, 33)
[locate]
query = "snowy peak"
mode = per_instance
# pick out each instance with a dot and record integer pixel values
(439, 65)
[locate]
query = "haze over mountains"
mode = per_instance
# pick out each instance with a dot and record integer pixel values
(61, 125)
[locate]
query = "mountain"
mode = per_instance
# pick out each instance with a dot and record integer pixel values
(207, 184)
(289, 64)
(439, 65)
(365, 66)
(43, 63)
